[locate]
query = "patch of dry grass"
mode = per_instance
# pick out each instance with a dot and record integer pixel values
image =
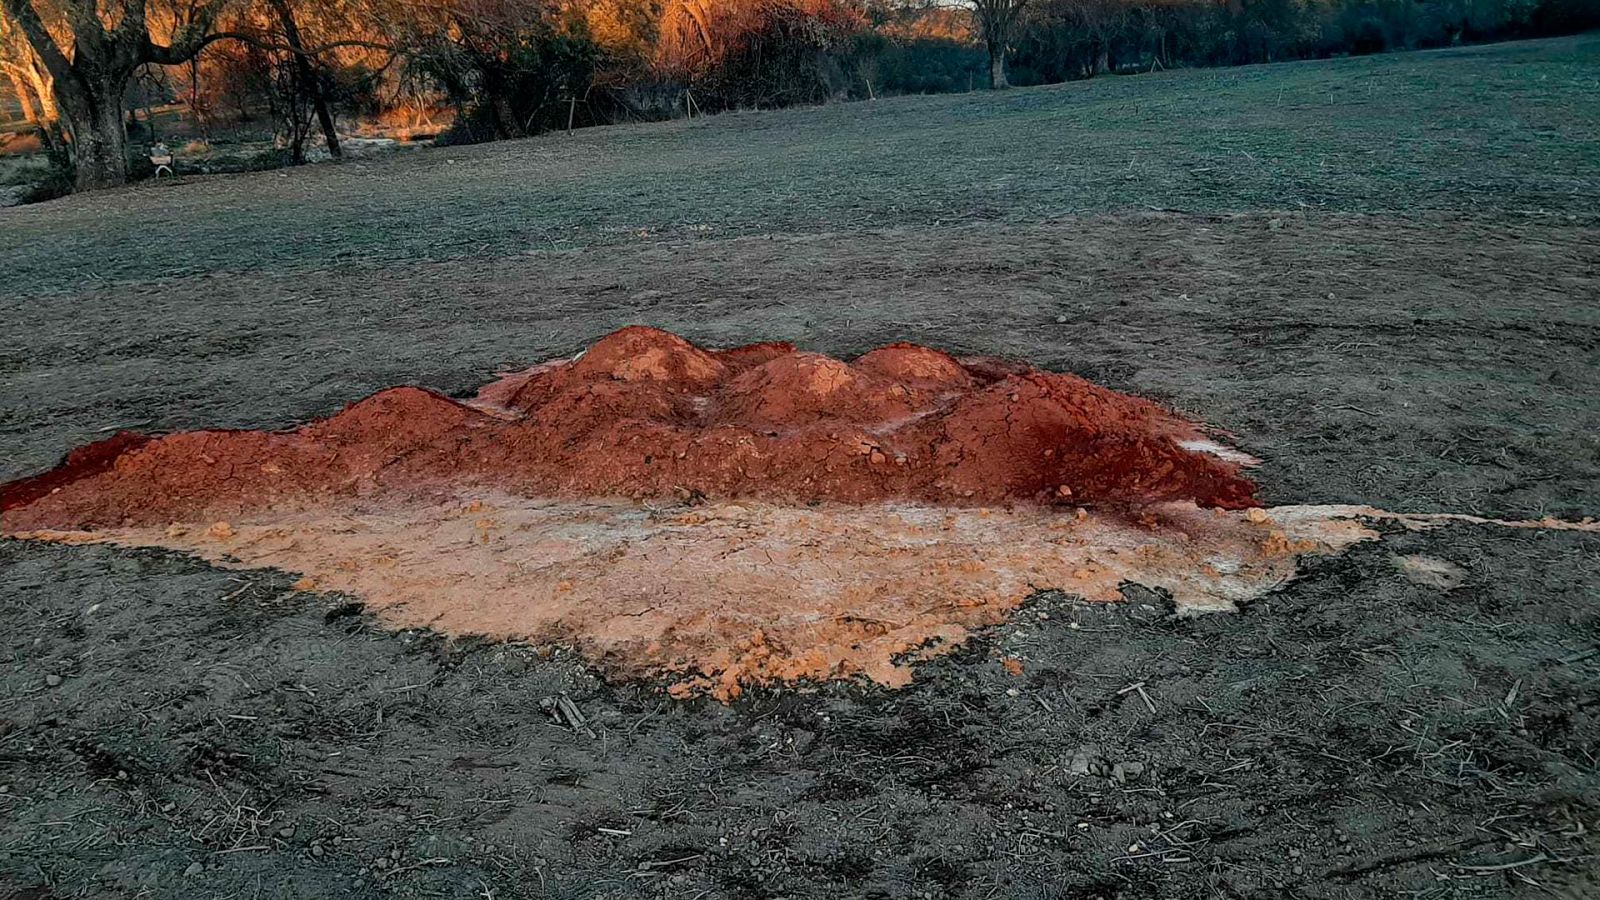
(23, 169)
(1501, 130)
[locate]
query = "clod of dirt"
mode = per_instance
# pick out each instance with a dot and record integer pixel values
(1085, 761)
(1124, 772)
(1430, 571)
(645, 414)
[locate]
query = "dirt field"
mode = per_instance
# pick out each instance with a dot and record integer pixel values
(1379, 274)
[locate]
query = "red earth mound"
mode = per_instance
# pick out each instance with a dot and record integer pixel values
(645, 414)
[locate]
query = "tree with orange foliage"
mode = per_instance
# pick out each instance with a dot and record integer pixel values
(30, 83)
(90, 48)
(758, 52)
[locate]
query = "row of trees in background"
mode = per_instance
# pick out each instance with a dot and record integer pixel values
(1059, 40)
(507, 68)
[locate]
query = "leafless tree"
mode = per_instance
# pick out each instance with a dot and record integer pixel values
(998, 21)
(308, 81)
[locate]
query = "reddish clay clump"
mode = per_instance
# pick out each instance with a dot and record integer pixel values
(646, 414)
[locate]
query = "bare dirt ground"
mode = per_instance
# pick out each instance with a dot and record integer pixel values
(1383, 284)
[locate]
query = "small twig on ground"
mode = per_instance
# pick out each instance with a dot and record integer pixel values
(1503, 867)
(1139, 686)
(574, 717)
(1511, 699)
(231, 595)
(651, 864)
(1146, 698)
(435, 861)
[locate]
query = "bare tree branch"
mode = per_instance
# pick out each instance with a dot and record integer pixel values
(39, 37)
(192, 37)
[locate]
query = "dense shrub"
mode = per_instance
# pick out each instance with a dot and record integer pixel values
(924, 65)
(56, 181)
(511, 80)
(759, 53)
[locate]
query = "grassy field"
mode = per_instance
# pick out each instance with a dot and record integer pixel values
(1378, 274)
(1506, 129)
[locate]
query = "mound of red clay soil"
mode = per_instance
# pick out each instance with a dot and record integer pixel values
(645, 414)
(807, 518)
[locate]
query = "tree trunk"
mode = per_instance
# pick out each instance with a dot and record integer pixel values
(200, 117)
(306, 73)
(99, 138)
(997, 67)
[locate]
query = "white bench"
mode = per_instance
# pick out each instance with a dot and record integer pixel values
(161, 158)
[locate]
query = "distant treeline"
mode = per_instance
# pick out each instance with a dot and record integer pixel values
(1067, 39)
(479, 70)
(741, 54)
